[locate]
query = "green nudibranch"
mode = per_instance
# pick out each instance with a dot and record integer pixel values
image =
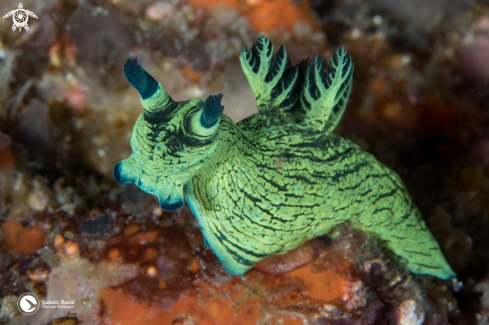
(278, 178)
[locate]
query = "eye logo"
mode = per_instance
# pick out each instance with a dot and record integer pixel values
(20, 17)
(28, 303)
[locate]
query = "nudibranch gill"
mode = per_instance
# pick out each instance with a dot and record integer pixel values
(278, 178)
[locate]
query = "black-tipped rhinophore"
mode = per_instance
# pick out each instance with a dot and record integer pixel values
(212, 111)
(144, 83)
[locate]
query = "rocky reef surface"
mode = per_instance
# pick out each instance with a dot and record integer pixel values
(420, 104)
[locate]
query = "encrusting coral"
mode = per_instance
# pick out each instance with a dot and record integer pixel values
(278, 178)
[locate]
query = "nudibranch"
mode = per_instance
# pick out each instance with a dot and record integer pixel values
(278, 178)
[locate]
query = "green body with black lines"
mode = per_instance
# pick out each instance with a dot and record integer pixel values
(271, 182)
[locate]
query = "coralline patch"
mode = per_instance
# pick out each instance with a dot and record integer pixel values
(76, 278)
(279, 178)
(346, 284)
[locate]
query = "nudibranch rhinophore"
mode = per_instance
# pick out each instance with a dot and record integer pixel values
(278, 178)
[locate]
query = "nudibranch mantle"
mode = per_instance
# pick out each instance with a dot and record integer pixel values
(278, 178)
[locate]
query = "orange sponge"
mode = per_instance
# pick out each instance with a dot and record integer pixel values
(20, 240)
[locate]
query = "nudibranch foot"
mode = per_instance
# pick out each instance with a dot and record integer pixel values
(275, 180)
(294, 259)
